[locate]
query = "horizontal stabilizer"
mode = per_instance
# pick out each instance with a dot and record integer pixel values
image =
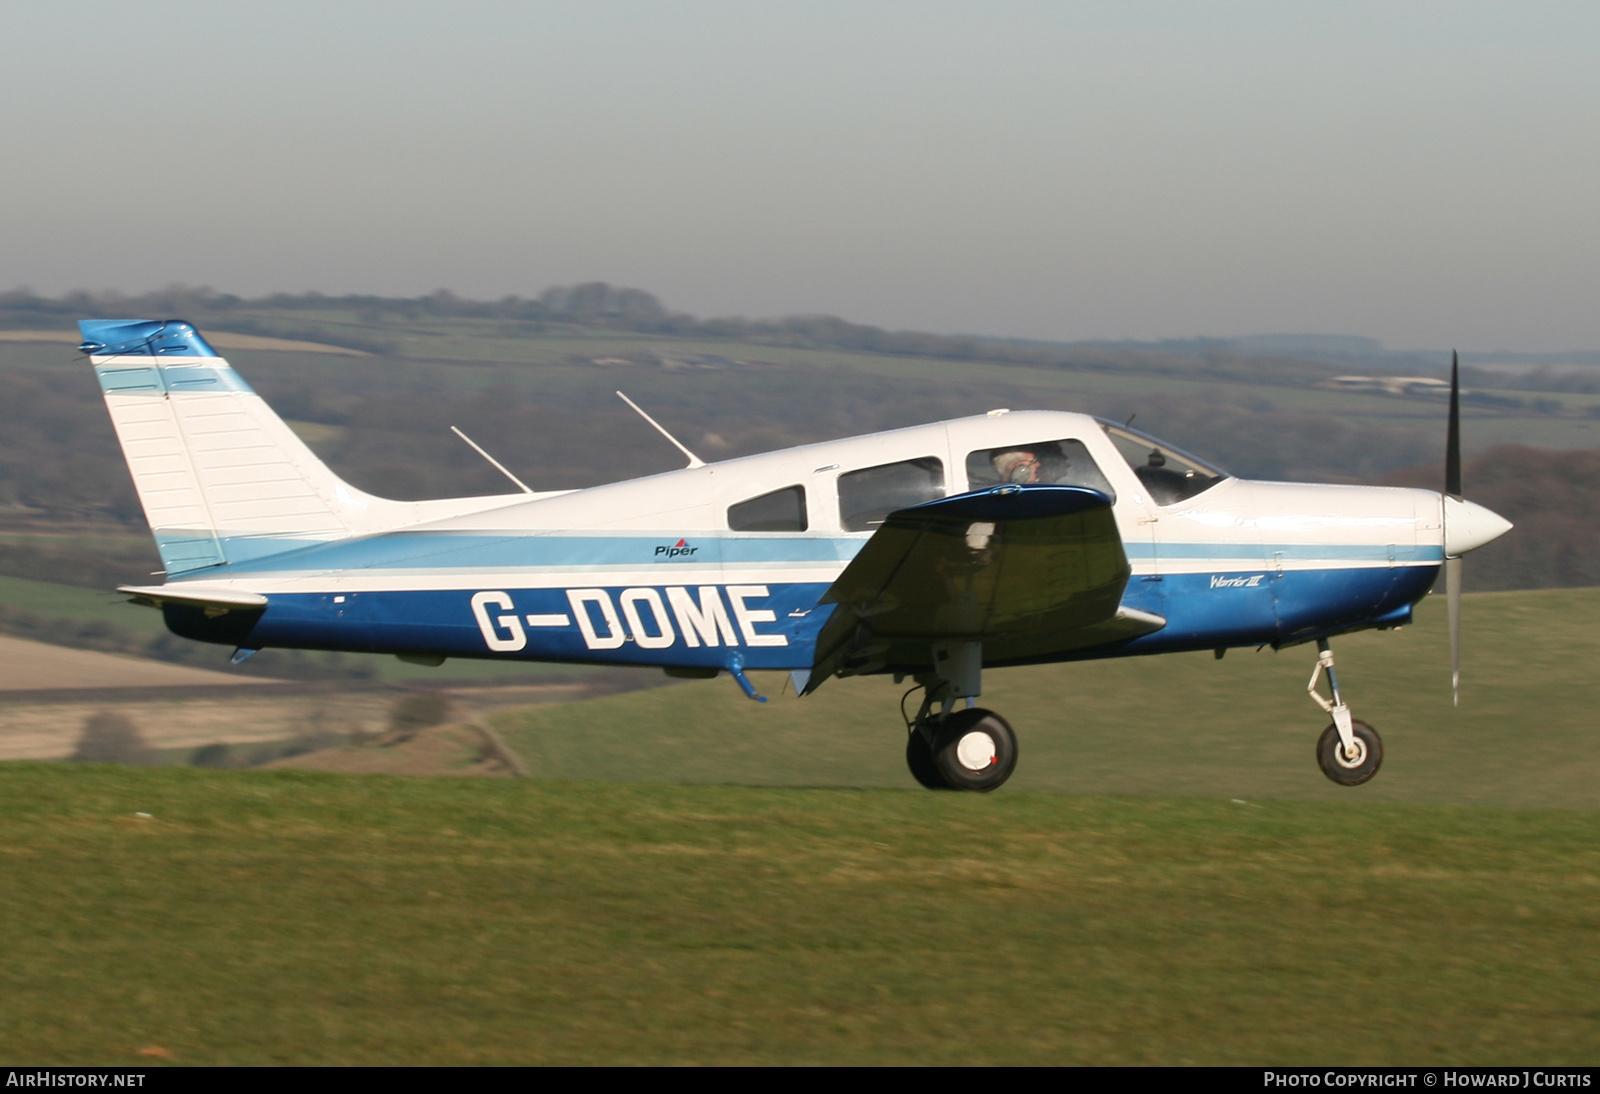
(214, 602)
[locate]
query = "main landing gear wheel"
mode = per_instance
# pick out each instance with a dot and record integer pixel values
(1350, 770)
(919, 758)
(974, 749)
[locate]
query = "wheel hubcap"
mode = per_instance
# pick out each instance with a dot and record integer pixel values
(976, 751)
(1355, 757)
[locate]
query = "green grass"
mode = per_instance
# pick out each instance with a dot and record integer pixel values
(71, 602)
(833, 913)
(285, 918)
(1178, 725)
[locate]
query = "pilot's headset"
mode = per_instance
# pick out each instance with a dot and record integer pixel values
(1017, 467)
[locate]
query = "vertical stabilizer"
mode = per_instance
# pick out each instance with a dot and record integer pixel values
(221, 477)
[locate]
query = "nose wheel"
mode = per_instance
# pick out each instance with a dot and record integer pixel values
(1350, 766)
(1349, 751)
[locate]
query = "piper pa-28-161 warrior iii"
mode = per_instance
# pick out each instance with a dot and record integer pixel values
(932, 553)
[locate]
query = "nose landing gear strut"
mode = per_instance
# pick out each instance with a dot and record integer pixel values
(1349, 751)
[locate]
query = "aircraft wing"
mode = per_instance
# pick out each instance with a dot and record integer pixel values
(1026, 570)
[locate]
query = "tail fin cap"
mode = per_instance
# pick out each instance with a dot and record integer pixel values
(142, 338)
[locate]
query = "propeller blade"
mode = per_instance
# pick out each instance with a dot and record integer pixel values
(1452, 489)
(1452, 588)
(1452, 444)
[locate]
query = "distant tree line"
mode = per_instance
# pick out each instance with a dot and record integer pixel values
(560, 425)
(599, 305)
(1577, 381)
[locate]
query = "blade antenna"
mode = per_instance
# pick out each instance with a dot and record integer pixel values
(694, 461)
(498, 466)
(1452, 490)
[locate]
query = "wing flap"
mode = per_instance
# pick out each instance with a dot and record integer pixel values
(1026, 570)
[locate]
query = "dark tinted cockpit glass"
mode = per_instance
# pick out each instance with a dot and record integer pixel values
(780, 511)
(1169, 474)
(869, 495)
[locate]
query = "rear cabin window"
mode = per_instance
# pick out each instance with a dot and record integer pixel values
(780, 511)
(1171, 476)
(1054, 463)
(867, 496)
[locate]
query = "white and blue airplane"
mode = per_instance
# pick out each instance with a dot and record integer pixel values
(931, 553)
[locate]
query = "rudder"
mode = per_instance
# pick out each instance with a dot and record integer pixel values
(221, 477)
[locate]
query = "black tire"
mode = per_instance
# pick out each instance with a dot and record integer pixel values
(919, 758)
(974, 750)
(1330, 756)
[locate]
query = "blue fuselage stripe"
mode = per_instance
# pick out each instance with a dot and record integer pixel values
(774, 626)
(467, 551)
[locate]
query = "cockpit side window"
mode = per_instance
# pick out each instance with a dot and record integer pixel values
(867, 496)
(780, 511)
(1059, 463)
(1171, 476)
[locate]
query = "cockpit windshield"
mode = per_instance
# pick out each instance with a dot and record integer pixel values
(1171, 475)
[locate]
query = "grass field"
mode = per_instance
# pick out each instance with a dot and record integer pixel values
(1180, 725)
(258, 918)
(1195, 892)
(71, 602)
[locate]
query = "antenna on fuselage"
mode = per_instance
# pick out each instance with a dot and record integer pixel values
(498, 466)
(694, 461)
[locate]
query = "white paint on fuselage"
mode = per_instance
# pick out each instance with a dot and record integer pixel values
(1234, 526)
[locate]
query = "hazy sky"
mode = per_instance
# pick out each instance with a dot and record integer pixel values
(1425, 173)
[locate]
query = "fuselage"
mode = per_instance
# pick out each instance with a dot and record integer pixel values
(691, 567)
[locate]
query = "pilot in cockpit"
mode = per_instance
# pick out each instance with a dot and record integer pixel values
(1017, 466)
(1043, 463)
